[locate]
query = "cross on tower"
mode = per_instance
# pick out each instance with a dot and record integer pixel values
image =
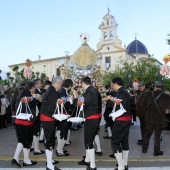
(108, 9)
(135, 35)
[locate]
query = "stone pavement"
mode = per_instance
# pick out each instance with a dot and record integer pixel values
(137, 160)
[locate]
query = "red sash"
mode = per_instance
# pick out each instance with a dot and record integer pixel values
(124, 118)
(23, 122)
(45, 118)
(95, 116)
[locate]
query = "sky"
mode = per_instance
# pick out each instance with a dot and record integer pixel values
(29, 28)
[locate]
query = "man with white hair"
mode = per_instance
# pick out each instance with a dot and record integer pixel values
(48, 122)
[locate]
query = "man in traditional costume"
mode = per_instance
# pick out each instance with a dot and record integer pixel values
(92, 113)
(121, 126)
(63, 130)
(37, 123)
(24, 128)
(48, 108)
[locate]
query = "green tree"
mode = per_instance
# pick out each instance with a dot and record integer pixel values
(15, 68)
(42, 77)
(145, 70)
(8, 74)
(33, 75)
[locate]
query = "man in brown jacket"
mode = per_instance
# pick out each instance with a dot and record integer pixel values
(139, 111)
(155, 104)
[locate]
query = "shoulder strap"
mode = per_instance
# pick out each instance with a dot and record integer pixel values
(155, 99)
(157, 106)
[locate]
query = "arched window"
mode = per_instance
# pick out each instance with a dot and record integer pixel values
(105, 35)
(111, 35)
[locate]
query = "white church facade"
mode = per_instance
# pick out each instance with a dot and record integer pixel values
(110, 47)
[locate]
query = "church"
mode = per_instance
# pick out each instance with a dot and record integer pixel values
(109, 47)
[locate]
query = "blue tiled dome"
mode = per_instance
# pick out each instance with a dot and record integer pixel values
(136, 47)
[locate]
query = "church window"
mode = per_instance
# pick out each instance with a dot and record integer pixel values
(58, 72)
(108, 61)
(107, 22)
(111, 35)
(105, 35)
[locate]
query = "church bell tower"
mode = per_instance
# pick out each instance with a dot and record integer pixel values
(110, 46)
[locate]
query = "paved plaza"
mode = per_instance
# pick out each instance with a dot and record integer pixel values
(137, 160)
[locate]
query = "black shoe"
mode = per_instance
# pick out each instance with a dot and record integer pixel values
(31, 149)
(158, 153)
(112, 156)
(139, 142)
(32, 163)
(68, 144)
(98, 153)
(15, 163)
(62, 154)
(83, 162)
(89, 168)
(39, 153)
(144, 150)
(41, 141)
(65, 151)
(126, 167)
(106, 137)
(55, 162)
(55, 168)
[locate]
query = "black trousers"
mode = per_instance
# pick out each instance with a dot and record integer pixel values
(90, 131)
(9, 115)
(3, 122)
(142, 126)
(149, 129)
(24, 135)
(133, 112)
(49, 133)
(120, 136)
(36, 126)
(63, 126)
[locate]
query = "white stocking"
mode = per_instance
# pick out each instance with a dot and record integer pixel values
(119, 159)
(42, 134)
(27, 156)
(87, 159)
(68, 138)
(18, 151)
(36, 144)
(49, 155)
(125, 157)
(97, 142)
(109, 131)
(92, 157)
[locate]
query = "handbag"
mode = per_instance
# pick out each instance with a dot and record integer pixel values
(77, 118)
(23, 116)
(114, 114)
(60, 116)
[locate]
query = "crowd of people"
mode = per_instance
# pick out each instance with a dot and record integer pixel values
(41, 102)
